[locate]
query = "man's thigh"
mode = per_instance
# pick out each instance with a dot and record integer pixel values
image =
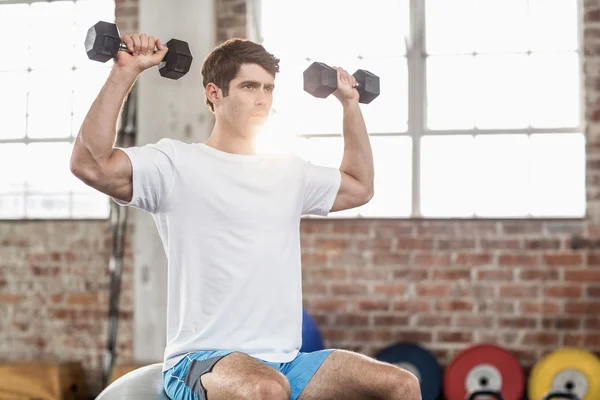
(223, 375)
(348, 375)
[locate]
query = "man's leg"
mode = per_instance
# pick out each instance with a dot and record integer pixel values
(348, 375)
(225, 377)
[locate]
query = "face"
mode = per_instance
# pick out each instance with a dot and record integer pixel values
(249, 101)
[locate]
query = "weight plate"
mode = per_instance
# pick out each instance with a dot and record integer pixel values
(420, 362)
(566, 370)
(484, 367)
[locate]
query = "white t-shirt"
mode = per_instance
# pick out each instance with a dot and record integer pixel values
(230, 227)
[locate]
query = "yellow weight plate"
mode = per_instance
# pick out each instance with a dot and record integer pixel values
(569, 370)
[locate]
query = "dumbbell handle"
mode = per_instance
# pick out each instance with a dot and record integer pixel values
(123, 47)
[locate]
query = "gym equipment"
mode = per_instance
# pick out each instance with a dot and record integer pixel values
(311, 336)
(142, 383)
(43, 380)
(320, 80)
(420, 362)
(103, 42)
(566, 372)
(484, 370)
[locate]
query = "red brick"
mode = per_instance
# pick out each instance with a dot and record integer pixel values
(348, 289)
(540, 307)
(351, 320)
(561, 323)
(541, 339)
(593, 259)
(538, 275)
(315, 226)
(495, 275)
(83, 298)
(398, 289)
(414, 336)
(562, 259)
(414, 244)
(10, 298)
(327, 274)
(436, 228)
(432, 259)
(583, 308)
(350, 227)
(593, 291)
(315, 288)
(393, 228)
(496, 307)
(374, 244)
(454, 305)
(518, 259)
(584, 275)
(455, 244)
(451, 274)
(519, 290)
(328, 305)
(542, 244)
(455, 337)
(517, 322)
(386, 259)
(473, 321)
(573, 340)
(429, 320)
(500, 244)
(314, 258)
(592, 323)
(333, 244)
(566, 291)
(412, 275)
(473, 259)
(371, 305)
(335, 334)
(433, 289)
(369, 274)
(525, 227)
(413, 306)
(473, 227)
(390, 320)
(372, 335)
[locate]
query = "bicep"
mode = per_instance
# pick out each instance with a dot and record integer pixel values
(351, 194)
(114, 177)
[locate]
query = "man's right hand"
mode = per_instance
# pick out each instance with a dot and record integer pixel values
(143, 55)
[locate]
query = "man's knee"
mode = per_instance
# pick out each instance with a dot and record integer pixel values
(272, 389)
(405, 385)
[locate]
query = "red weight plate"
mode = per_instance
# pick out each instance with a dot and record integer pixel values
(486, 358)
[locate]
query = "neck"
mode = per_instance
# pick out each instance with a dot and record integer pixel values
(230, 139)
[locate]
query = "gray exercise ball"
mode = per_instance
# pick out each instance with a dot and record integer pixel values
(142, 383)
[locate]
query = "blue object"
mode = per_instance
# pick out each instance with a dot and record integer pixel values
(311, 336)
(419, 361)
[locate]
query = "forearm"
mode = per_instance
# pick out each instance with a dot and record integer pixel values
(358, 156)
(98, 133)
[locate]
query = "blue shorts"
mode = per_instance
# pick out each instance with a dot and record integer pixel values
(183, 383)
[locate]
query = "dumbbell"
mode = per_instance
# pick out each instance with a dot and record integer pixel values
(103, 42)
(320, 80)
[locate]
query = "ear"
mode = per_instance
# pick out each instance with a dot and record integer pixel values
(213, 93)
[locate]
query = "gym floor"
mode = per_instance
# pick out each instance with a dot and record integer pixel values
(512, 261)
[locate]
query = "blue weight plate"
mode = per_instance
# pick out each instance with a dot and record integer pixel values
(420, 362)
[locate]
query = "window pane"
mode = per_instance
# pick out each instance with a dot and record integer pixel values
(96, 205)
(500, 175)
(12, 168)
(447, 172)
(87, 14)
(313, 28)
(557, 175)
(392, 157)
(52, 33)
(14, 23)
(48, 167)
(13, 103)
(450, 97)
(12, 207)
(449, 26)
(50, 103)
(500, 91)
(48, 206)
(500, 26)
(88, 83)
(554, 80)
(553, 25)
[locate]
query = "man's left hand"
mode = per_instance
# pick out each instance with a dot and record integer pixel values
(346, 92)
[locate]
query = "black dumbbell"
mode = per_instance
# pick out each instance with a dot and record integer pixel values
(103, 42)
(320, 80)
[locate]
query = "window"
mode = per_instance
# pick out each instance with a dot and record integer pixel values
(48, 85)
(479, 114)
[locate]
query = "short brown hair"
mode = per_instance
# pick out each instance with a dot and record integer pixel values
(223, 63)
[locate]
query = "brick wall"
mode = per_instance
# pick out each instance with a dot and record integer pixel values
(368, 283)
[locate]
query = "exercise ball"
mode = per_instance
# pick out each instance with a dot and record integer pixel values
(143, 383)
(311, 336)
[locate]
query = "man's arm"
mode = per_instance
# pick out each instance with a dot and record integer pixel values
(94, 159)
(357, 185)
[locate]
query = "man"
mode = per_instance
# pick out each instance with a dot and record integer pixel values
(229, 220)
